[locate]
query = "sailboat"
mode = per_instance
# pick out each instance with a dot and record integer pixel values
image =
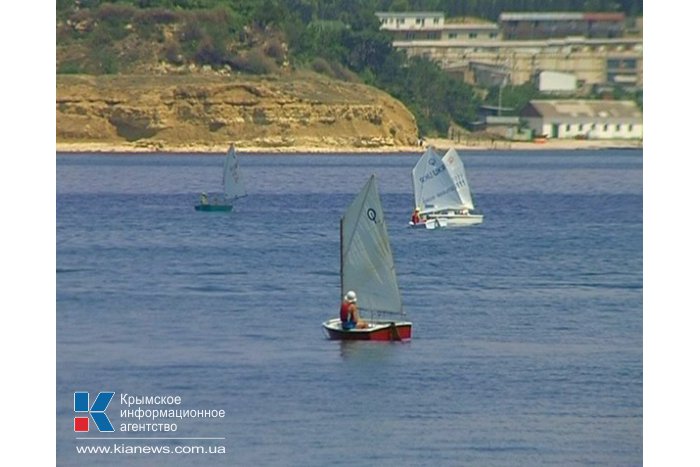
(234, 186)
(441, 192)
(367, 268)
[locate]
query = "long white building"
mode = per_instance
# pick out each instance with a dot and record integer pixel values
(591, 119)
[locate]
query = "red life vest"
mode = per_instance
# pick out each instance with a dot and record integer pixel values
(345, 312)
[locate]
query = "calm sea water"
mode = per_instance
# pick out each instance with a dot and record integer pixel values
(527, 345)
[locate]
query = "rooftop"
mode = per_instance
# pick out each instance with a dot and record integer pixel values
(470, 26)
(586, 108)
(409, 14)
(466, 20)
(544, 16)
(512, 44)
(502, 120)
(561, 16)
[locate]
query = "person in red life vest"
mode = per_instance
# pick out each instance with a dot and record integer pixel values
(415, 218)
(349, 313)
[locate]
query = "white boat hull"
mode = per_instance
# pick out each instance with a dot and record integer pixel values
(449, 220)
(441, 192)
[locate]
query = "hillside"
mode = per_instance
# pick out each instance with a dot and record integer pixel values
(182, 74)
(248, 38)
(211, 110)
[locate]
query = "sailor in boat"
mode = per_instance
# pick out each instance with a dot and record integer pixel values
(349, 313)
(203, 199)
(415, 218)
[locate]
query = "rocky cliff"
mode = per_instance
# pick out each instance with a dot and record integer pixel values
(186, 111)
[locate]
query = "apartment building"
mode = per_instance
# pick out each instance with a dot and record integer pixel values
(481, 53)
(592, 61)
(546, 25)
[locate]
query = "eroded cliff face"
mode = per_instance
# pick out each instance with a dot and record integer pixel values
(186, 111)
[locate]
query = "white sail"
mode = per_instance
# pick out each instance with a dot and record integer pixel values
(455, 168)
(367, 264)
(234, 185)
(424, 173)
(440, 183)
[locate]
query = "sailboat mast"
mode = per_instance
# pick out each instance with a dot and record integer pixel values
(341, 260)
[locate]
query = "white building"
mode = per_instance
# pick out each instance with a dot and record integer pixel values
(554, 81)
(419, 25)
(599, 119)
(411, 21)
(430, 25)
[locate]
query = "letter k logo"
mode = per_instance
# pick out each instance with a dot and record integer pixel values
(81, 403)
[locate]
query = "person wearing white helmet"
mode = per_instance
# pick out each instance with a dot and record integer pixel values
(349, 313)
(415, 218)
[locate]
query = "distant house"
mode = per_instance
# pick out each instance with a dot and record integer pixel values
(431, 25)
(417, 25)
(599, 119)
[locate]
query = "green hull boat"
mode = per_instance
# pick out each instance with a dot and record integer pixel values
(214, 207)
(234, 187)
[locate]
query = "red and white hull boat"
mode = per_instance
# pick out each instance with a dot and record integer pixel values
(367, 269)
(377, 331)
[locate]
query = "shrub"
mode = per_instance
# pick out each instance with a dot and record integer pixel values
(70, 68)
(209, 53)
(115, 13)
(276, 50)
(191, 32)
(105, 61)
(173, 53)
(155, 16)
(334, 70)
(254, 62)
(320, 65)
(344, 73)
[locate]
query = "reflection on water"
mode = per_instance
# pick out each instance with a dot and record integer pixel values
(369, 351)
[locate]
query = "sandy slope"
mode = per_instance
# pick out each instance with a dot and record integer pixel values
(441, 144)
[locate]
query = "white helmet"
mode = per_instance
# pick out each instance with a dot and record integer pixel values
(351, 296)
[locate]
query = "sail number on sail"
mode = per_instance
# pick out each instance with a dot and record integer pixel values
(439, 194)
(372, 215)
(433, 173)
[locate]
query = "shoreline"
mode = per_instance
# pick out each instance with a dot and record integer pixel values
(440, 144)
